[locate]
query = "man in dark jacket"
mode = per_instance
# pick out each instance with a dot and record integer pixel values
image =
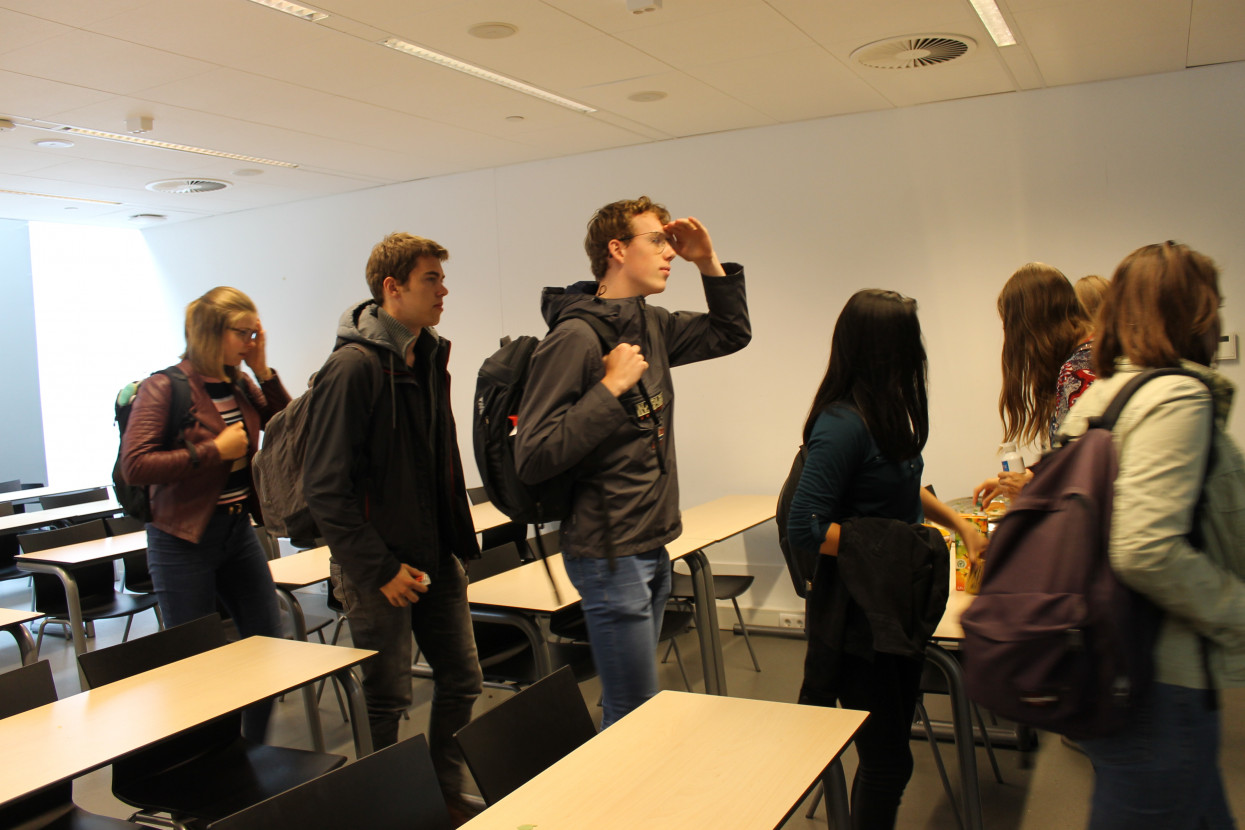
(384, 482)
(611, 419)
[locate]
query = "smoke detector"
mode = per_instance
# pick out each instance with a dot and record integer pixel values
(914, 51)
(187, 185)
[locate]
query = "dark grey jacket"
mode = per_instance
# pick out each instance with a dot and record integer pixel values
(569, 420)
(382, 475)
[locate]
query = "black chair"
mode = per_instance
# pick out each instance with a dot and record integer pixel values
(521, 737)
(50, 808)
(8, 550)
(725, 586)
(394, 788)
(11, 486)
(135, 576)
(494, 561)
(80, 497)
(208, 772)
(97, 589)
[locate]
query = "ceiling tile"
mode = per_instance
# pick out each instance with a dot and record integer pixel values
(736, 34)
(1215, 32)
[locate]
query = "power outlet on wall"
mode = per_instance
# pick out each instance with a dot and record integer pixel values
(791, 620)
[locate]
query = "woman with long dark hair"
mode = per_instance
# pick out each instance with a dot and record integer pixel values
(865, 431)
(1176, 531)
(1047, 363)
(200, 543)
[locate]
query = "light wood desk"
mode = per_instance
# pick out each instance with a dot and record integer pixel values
(35, 493)
(76, 512)
(14, 622)
(86, 731)
(486, 516)
(61, 562)
(684, 760)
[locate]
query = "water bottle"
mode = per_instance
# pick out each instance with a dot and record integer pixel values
(1012, 462)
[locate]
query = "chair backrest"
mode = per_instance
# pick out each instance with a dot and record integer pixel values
(550, 542)
(108, 665)
(494, 561)
(476, 495)
(121, 525)
(21, 690)
(394, 788)
(10, 486)
(96, 583)
(6, 508)
(523, 736)
(80, 497)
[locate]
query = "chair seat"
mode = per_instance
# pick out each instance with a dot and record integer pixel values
(725, 586)
(227, 780)
(75, 818)
(118, 605)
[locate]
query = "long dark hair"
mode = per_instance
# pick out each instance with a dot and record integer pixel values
(878, 366)
(1043, 323)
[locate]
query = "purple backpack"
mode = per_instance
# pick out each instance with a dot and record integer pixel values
(1054, 639)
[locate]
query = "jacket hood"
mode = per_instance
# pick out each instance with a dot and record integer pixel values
(582, 297)
(360, 324)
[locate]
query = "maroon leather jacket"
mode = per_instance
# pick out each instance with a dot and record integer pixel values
(187, 486)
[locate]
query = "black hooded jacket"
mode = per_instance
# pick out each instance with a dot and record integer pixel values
(623, 501)
(384, 487)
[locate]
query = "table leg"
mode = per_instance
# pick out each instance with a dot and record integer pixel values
(538, 641)
(310, 704)
(74, 603)
(962, 723)
(25, 643)
(359, 724)
(706, 606)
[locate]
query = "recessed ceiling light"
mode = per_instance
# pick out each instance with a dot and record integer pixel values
(301, 12)
(247, 171)
(990, 15)
(148, 217)
(514, 118)
(493, 31)
(647, 97)
(483, 74)
(53, 143)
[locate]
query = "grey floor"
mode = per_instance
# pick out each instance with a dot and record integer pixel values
(1049, 789)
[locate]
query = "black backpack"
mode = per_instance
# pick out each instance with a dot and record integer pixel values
(1054, 639)
(500, 385)
(277, 466)
(801, 564)
(136, 499)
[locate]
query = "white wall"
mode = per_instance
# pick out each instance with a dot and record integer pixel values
(941, 202)
(21, 453)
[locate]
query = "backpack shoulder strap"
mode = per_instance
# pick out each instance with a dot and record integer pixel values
(179, 409)
(1112, 414)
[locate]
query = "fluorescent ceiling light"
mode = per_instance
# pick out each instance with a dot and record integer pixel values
(994, 22)
(484, 74)
(301, 12)
(185, 148)
(53, 196)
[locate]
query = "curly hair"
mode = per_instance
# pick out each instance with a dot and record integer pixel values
(614, 222)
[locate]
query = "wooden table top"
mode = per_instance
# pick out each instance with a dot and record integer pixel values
(89, 730)
(84, 553)
(38, 518)
(724, 517)
(38, 492)
(485, 516)
(11, 616)
(298, 570)
(684, 760)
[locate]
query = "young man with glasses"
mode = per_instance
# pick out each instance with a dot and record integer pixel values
(611, 418)
(384, 482)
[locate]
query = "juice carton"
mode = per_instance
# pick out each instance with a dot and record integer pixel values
(967, 577)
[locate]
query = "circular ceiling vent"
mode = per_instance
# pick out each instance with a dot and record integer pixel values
(914, 51)
(188, 185)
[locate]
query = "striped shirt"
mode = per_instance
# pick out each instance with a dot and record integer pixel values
(238, 485)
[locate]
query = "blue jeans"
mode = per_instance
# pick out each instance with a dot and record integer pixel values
(227, 563)
(441, 623)
(623, 609)
(1162, 771)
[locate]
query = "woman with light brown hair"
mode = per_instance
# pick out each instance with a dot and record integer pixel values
(200, 543)
(1090, 291)
(1047, 363)
(1176, 531)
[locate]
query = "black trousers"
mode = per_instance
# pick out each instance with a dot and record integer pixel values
(887, 688)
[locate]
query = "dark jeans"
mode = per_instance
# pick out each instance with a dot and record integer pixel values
(623, 609)
(1162, 771)
(441, 623)
(227, 563)
(886, 688)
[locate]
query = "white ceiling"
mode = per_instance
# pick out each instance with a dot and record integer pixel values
(234, 76)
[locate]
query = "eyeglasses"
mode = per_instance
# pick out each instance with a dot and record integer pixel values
(250, 335)
(658, 238)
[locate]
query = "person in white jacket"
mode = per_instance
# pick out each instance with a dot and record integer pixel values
(1176, 536)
